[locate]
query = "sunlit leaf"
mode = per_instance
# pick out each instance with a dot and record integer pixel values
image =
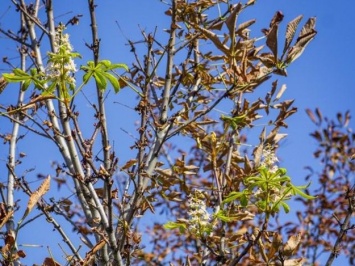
(290, 32)
(176, 225)
(35, 196)
(291, 245)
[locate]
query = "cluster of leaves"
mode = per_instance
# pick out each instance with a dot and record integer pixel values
(209, 61)
(328, 221)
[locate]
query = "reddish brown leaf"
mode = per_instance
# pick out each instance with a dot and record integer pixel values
(50, 262)
(271, 41)
(278, 17)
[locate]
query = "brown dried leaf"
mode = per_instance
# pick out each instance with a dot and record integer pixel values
(307, 34)
(35, 196)
(290, 32)
(311, 115)
(21, 254)
(6, 218)
(278, 17)
(3, 84)
(50, 262)
(267, 59)
(291, 245)
(295, 262)
(164, 172)
(308, 28)
(215, 39)
(279, 136)
(245, 25)
(232, 20)
(250, 2)
(257, 154)
(89, 256)
(129, 164)
(271, 41)
(247, 165)
(319, 115)
(217, 26)
(275, 245)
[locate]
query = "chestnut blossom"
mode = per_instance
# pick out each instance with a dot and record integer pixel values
(61, 64)
(269, 159)
(199, 218)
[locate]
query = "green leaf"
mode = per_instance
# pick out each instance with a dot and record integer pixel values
(124, 66)
(244, 200)
(285, 206)
(100, 80)
(174, 225)
(114, 82)
(234, 122)
(51, 88)
(222, 216)
(233, 196)
(87, 77)
(26, 84)
(19, 72)
(298, 190)
(106, 63)
(11, 77)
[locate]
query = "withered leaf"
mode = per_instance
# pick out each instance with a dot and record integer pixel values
(307, 28)
(290, 32)
(6, 218)
(291, 245)
(257, 154)
(245, 25)
(129, 164)
(215, 39)
(35, 196)
(275, 245)
(267, 59)
(271, 41)
(232, 20)
(294, 262)
(278, 17)
(50, 262)
(3, 84)
(311, 115)
(307, 34)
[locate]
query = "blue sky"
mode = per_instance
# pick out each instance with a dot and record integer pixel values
(322, 77)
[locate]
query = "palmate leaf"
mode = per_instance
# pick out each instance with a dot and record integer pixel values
(101, 74)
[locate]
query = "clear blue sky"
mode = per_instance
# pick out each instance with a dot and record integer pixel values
(322, 77)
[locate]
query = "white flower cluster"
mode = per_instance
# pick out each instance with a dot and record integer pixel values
(269, 159)
(199, 218)
(61, 64)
